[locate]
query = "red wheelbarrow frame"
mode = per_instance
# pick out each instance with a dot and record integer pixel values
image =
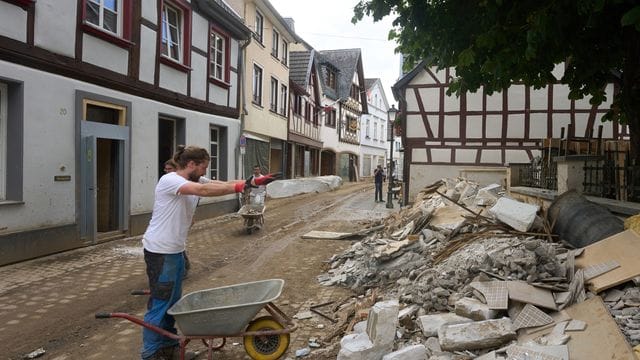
(184, 340)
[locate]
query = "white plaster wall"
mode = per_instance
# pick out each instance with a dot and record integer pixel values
(539, 98)
(233, 90)
(233, 58)
(561, 98)
(538, 126)
(55, 26)
(13, 22)
(218, 95)
(560, 121)
(199, 76)
(423, 78)
(150, 11)
(423, 175)
(199, 32)
(474, 126)
(49, 144)
(474, 101)
(516, 97)
(104, 54)
(515, 128)
(173, 79)
(451, 102)
(494, 102)
(494, 126)
(452, 126)
(147, 54)
(491, 156)
(430, 99)
(466, 155)
(516, 156)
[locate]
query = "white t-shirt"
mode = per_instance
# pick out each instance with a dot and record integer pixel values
(171, 217)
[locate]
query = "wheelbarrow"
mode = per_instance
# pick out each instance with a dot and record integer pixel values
(224, 312)
(253, 216)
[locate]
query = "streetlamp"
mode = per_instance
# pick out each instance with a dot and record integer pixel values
(391, 115)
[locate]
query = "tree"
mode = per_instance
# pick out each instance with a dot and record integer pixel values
(493, 43)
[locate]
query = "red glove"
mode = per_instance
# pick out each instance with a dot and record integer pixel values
(239, 186)
(264, 180)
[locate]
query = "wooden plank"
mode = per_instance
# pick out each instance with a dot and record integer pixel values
(602, 338)
(624, 248)
(326, 235)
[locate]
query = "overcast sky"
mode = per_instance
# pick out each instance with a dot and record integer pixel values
(326, 25)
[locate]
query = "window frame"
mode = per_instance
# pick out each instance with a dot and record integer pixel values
(273, 95)
(122, 37)
(284, 95)
(275, 44)
(214, 160)
(184, 9)
(257, 84)
(226, 68)
(259, 27)
(367, 131)
(331, 79)
(285, 53)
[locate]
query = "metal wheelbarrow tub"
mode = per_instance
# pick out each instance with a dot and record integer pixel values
(223, 311)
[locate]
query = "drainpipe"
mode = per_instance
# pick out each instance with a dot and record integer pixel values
(243, 108)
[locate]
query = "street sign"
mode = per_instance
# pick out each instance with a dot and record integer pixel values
(243, 141)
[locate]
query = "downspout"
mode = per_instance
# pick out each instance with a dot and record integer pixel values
(243, 108)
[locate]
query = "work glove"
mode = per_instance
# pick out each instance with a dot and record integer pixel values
(267, 178)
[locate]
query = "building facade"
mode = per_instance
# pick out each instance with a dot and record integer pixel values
(94, 97)
(374, 147)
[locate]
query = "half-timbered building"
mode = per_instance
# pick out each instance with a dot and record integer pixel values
(94, 97)
(446, 136)
(304, 145)
(344, 101)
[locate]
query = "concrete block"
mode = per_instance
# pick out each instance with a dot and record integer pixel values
(433, 345)
(474, 309)
(413, 352)
(478, 335)
(432, 322)
(382, 323)
(516, 214)
(355, 347)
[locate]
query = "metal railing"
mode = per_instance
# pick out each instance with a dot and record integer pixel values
(612, 177)
(540, 173)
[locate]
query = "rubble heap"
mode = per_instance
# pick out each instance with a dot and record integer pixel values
(473, 271)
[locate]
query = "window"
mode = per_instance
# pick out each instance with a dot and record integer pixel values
(375, 130)
(355, 91)
(219, 67)
(315, 115)
(330, 116)
(285, 53)
(331, 79)
(176, 34)
(257, 84)
(307, 111)
(275, 44)
(3, 139)
(366, 129)
(259, 27)
(105, 14)
(297, 105)
(273, 104)
(171, 32)
(104, 112)
(283, 100)
(214, 147)
(109, 20)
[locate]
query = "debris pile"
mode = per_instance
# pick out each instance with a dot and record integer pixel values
(476, 274)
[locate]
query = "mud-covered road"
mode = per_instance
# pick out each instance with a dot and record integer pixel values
(50, 303)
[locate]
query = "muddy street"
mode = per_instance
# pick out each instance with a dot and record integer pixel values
(50, 303)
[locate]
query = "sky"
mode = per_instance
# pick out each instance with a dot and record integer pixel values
(326, 25)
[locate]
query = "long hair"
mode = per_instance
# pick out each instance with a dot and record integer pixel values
(184, 154)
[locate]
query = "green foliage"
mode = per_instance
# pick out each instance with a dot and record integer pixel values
(494, 43)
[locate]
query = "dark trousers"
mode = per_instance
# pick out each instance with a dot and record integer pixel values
(378, 191)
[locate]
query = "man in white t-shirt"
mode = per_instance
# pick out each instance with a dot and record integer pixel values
(176, 198)
(258, 193)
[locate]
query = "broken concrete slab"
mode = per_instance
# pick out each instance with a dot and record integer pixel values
(495, 293)
(382, 323)
(477, 335)
(474, 309)
(488, 195)
(516, 214)
(531, 351)
(413, 352)
(357, 347)
(432, 322)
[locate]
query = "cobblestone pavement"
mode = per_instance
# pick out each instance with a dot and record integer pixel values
(49, 303)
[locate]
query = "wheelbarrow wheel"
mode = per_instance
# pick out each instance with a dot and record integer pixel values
(265, 347)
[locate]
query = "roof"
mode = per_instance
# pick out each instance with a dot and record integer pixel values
(345, 61)
(368, 83)
(300, 63)
(406, 79)
(224, 15)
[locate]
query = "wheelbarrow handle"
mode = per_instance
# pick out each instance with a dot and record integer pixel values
(103, 315)
(141, 292)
